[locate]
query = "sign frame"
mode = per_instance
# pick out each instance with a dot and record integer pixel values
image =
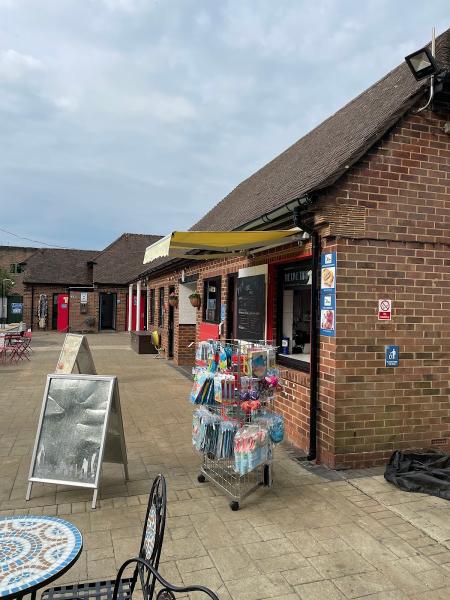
(384, 309)
(82, 352)
(328, 275)
(107, 441)
(394, 360)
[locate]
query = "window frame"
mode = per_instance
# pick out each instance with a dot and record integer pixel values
(161, 306)
(152, 306)
(291, 363)
(218, 283)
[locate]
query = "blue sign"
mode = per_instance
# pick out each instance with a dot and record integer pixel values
(392, 356)
(328, 294)
(16, 308)
(223, 311)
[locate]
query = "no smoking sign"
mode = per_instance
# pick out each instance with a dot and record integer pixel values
(384, 309)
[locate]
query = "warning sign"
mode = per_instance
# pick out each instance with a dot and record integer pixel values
(384, 309)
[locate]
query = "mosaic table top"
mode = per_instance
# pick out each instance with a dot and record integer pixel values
(34, 550)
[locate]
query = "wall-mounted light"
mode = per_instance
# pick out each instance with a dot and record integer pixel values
(422, 64)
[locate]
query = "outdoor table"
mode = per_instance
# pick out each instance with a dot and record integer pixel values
(34, 551)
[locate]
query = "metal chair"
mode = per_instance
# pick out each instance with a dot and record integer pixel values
(149, 553)
(165, 591)
(20, 350)
(156, 341)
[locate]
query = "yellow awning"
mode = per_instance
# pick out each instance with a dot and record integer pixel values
(219, 243)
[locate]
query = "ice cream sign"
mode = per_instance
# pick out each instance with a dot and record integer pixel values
(328, 294)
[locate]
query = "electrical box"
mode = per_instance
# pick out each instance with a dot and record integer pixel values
(83, 302)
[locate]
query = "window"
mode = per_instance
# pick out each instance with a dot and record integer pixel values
(294, 315)
(211, 299)
(15, 268)
(161, 307)
(151, 316)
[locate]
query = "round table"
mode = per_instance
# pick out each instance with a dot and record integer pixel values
(35, 550)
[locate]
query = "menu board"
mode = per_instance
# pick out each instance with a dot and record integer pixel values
(75, 355)
(79, 427)
(251, 308)
(328, 294)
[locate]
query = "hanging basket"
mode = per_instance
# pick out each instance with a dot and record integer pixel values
(173, 300)
(195, 300)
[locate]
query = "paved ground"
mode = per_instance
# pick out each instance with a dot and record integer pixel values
(315, 535)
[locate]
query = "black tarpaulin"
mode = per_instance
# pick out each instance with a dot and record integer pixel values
(424, 471)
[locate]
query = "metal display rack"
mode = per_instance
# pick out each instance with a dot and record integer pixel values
(222, 471)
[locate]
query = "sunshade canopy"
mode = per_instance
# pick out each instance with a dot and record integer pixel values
(215, 243)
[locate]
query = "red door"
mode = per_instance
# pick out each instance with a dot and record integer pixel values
(133, 311)
(62, 321)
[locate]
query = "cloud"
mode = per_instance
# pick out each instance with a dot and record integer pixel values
(15, 66)
(140, 115)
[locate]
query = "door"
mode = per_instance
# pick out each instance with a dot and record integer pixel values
(15, 309)
(55, 312)
(62, 320)
(108, 304)
(170, 325)
(133, 311)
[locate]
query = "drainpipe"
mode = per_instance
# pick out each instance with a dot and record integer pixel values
(315, 337)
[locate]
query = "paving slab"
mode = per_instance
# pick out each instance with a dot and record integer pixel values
(315, 535)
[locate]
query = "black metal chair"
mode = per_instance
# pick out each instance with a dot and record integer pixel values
(165, 591)
(149, 552)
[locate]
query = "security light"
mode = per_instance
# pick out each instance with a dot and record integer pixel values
(422, 64)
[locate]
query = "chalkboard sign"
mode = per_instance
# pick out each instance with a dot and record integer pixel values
(75, 356)
(79, 426)
(251, 308)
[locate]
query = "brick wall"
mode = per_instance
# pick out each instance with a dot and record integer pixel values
(403, 253)
(76, 317)
(388, 219)
(14, 255)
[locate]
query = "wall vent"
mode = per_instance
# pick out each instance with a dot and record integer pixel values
(439, 442)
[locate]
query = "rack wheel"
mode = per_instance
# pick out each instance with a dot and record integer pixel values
(234, 505)
(201, 478)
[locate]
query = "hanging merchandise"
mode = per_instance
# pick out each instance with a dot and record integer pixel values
(234, 428)
(42, 311)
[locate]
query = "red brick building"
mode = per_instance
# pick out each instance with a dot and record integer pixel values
(90, 286)
(372, 184)
(11, 258)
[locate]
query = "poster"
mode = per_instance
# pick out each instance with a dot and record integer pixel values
(16, 308)
(75, 355)
(328, 294)
(80, 417)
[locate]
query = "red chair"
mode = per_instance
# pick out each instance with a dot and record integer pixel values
(20, 350)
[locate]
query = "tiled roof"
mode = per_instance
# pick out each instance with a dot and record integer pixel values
(122, 260)
(59, 266)
(319, 158)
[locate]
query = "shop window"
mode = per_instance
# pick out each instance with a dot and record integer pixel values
(211, 299)
(151, 315)
(161, 307)
(294, 315)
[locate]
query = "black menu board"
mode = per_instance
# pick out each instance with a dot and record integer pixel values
(251, 308)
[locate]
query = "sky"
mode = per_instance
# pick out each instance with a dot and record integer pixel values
(140, 115)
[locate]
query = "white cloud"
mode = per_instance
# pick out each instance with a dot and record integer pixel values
(15, 66)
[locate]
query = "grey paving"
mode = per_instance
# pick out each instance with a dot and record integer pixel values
(316, 534)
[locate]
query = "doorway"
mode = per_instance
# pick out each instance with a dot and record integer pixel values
(55, 312)
(231, 306)
(108, 303)
(171, 320)
(62, 319)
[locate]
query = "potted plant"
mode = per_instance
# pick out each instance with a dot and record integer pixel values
(195, 299)
(173, 299)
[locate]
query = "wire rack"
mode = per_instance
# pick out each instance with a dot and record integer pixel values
(222, 472)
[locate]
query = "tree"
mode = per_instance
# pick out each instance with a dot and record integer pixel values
(7, 285)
